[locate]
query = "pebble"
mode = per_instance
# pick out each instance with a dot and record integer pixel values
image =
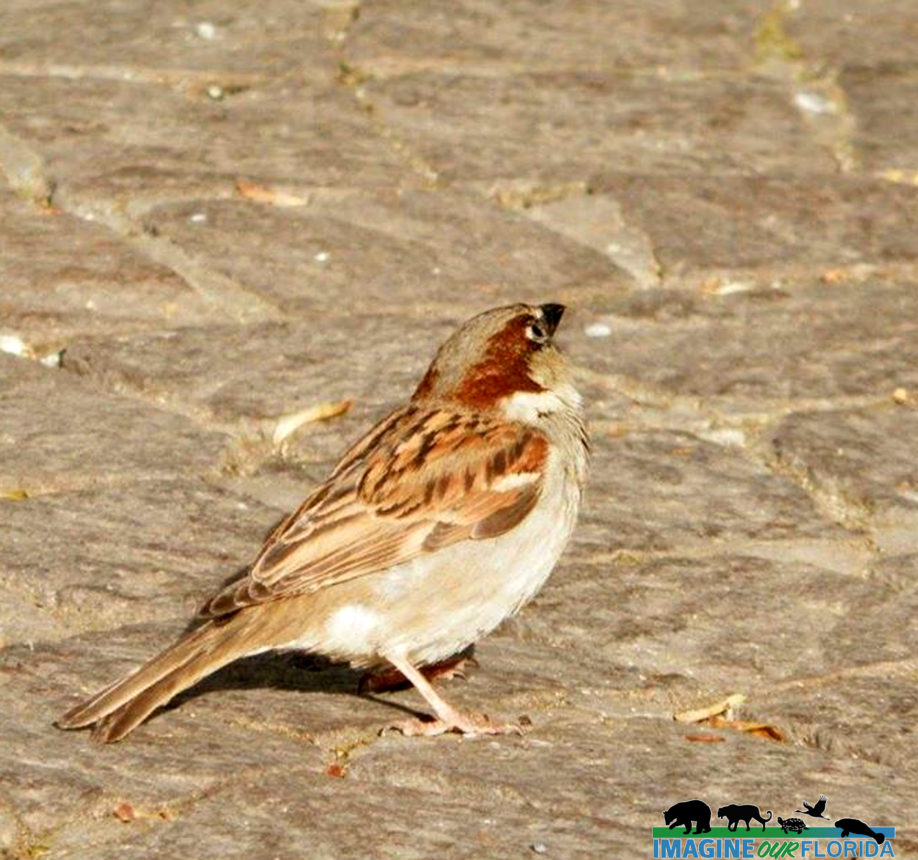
(814, 103)
(597, 330)
(206, 30)
(12, 344)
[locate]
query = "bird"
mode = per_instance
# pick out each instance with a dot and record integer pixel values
(816, 809)
(435, 526)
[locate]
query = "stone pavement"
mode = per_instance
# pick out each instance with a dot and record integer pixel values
(216, 214)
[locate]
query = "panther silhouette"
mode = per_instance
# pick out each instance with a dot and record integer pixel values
(684, 813)
(746, 812)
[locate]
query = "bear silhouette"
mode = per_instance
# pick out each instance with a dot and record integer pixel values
(684, 813)
(735, 813)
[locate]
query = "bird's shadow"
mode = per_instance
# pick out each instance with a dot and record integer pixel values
(303, 673)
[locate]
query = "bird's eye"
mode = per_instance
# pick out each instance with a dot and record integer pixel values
(536, 333)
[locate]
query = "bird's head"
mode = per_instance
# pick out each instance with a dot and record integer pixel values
(503, 360)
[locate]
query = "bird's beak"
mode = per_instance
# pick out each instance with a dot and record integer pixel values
(552, 314)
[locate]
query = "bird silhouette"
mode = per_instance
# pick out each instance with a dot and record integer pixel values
(816, 809)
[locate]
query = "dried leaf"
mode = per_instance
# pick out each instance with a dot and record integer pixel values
(16, 495)
(765, 731)
(907, 177)
(706, 739)
(289, 424)
(124, 812)
(335, 769)
(263, 194)
(697, 715)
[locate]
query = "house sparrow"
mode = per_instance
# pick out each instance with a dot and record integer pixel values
(433, 528)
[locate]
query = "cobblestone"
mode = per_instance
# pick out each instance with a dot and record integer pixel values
(213, 216)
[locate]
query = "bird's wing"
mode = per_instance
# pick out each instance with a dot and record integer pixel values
(820, 805)
(420, 481)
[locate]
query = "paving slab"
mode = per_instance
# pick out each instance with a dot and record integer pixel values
(52, 778)
(171, 43)
(758, 350)
(726, 232)
(567, 126)
(62, 276)
(644, 485)
(57, 434)
(826, 34)
(371, 251)
(662, 37)
(112, 142)
(863, 460)
(878, 98)
(142, 552)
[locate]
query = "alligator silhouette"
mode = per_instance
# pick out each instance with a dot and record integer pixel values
(852, 825)
(746, 812)
(684, 813)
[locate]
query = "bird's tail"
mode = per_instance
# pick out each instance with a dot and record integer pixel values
(122, 706)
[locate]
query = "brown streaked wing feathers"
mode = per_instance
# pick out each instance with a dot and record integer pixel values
(369, 515)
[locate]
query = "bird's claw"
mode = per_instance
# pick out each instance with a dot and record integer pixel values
(465, 723)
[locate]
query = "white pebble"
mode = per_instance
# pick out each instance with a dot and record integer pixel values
(597, 330)
(814, 103)
(198, 218)
(731, 287)
(215, 92)
(727, 436)
(539, 847)
(13, 344)
(322, 257)
(206, 30)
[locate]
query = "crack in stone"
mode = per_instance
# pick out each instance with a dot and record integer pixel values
(351, 77)
(29, 177)
(818, 96)
(181, 80)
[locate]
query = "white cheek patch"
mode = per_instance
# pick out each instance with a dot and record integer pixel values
(529, 405)
(514, 482)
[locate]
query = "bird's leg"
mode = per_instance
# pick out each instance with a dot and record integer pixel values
(448, 718)
(392, 679)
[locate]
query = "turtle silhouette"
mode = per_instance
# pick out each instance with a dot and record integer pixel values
(792, 825)
(816, 809)
(852, 825)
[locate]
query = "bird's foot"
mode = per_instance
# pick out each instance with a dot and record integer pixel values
(391, 679)
(463, 722)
